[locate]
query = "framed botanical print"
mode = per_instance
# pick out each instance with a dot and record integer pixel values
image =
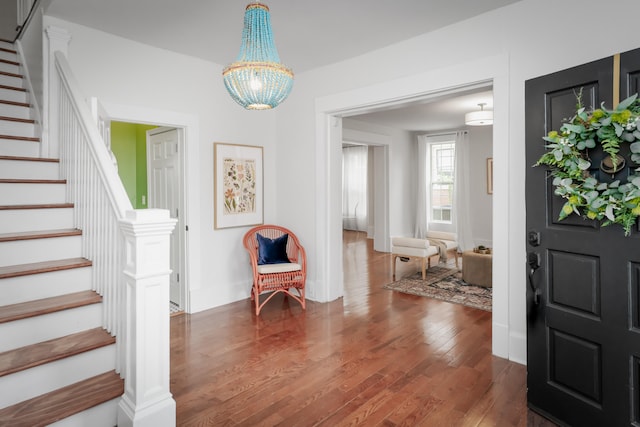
(238, 185)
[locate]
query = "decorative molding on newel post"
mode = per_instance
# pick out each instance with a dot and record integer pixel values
(147, 401)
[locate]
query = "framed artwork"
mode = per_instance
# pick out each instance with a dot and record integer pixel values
(238, 185)
(490, 175)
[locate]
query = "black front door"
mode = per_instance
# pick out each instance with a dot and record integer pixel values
(583, 297)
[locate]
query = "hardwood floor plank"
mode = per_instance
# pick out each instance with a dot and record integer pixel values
(374, 357)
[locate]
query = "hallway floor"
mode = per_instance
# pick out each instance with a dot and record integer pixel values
(373, 357)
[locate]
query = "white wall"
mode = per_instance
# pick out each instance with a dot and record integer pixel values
(481, 208)
(134, 77)
(524, 45)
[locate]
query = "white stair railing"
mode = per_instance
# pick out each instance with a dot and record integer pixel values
(24, 9)
(129, 251)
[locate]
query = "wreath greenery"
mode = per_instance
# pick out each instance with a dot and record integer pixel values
(569, 162)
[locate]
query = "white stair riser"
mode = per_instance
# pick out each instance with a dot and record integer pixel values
(51, 376)
(11, 80)
(8, 127)
(103, 415)
(8, 55)
(13, 95)
(16, 111)
(29, 331)
(11, 147)
(39, 250)
(13, 221)
(10, 68)
(44, 285)
(24, 169)
(32, 194)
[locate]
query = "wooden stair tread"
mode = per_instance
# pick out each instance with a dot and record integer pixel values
(44, 206)
(22, 358)
(42, 267)
(24, 310)
(32, 181)
(4, 49)
(6, 73)
(17, 119)
(19, 89)
(64, 402)
(32, 235)
(15, 103)
(29, 159)
(20, 138)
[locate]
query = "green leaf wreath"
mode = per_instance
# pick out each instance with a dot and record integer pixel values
(568, 159)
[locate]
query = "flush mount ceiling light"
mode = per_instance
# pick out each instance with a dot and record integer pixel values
(479, 118)
(257, 80)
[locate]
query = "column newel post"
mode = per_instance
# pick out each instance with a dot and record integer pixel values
(147, 400)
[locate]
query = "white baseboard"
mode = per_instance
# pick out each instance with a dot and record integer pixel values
(204, 299)
(518, 348)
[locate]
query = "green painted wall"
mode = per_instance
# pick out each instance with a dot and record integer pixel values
(129, 145)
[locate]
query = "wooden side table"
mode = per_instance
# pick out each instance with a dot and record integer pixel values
(477, 268)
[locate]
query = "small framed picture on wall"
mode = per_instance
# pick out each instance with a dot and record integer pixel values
(490, 175)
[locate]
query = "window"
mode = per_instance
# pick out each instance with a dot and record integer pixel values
(442, 175)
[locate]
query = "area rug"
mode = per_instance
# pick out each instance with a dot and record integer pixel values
(444, 284)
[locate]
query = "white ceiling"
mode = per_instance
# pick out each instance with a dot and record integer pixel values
(444, 112)
(308, 34)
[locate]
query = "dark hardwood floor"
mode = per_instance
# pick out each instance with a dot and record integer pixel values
(373, 358)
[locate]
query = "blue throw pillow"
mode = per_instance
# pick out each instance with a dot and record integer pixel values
(272, 251)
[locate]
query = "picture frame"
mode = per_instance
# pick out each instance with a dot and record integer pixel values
(490, 175)
(238, 185)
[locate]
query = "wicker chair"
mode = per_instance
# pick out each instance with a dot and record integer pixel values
(280, 277)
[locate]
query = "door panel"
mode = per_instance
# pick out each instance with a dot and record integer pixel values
(581, 364)
(164, 193)
(630, 73)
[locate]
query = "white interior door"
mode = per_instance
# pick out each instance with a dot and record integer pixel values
(164, 153)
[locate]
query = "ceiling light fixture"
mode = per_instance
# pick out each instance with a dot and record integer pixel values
(479, 118)
(257, 80)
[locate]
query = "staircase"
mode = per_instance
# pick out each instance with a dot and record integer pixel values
(57, 363)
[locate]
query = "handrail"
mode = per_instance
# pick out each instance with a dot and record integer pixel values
(118, 194)
(25, 9)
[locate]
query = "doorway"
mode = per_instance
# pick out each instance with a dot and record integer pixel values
(165, 148)
(150, 161)
(369, 216)
(508, 340)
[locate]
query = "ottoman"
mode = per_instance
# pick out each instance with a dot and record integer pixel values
(411, 248)
(477, 268)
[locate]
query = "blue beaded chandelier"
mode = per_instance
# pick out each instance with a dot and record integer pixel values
(257, 80)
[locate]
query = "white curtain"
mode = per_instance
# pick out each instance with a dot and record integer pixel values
(354, 187)
(422, 199)
(461, 193)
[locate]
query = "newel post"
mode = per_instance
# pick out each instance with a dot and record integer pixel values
(147, 400)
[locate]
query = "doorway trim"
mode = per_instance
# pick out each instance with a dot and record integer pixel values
(330, 109)
(188, 125)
